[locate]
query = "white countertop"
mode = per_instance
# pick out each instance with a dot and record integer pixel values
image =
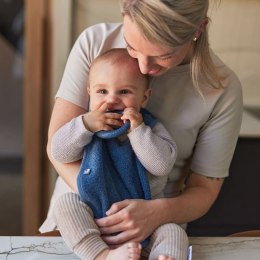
(225, 248)
(34, 248)
(203, 248)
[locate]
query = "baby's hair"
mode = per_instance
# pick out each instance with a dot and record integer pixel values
(120, 56)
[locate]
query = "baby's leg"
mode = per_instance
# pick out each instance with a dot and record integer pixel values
(127, 251)
(163, 257)
(168, 242)
(77, 227)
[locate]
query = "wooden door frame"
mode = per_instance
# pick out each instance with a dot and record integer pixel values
(37, 89)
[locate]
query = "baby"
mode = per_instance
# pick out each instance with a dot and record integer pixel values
(131, 165)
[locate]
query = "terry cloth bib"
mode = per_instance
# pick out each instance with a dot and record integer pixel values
(111, 172)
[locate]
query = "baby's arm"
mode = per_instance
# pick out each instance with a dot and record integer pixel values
(68, 142)
(154, 148)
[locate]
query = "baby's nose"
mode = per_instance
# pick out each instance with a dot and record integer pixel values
(113, 99)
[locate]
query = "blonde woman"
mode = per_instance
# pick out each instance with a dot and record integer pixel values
(196, 97)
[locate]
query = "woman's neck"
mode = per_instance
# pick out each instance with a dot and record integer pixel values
(188, 57)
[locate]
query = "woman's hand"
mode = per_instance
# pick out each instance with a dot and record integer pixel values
(134, 219)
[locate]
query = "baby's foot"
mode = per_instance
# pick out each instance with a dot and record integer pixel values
(129, 251)
(163, 257)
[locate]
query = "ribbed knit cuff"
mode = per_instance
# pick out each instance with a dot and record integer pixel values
(90, 247)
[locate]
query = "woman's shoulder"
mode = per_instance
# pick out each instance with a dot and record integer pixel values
(103, 28)
(99, 38)
(229, 76)
(102, 32)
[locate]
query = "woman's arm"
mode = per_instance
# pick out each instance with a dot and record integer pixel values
(62, 113)
(137, 219)
(196, 199)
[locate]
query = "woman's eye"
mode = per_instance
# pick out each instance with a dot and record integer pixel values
(129, 48)
(166, 58)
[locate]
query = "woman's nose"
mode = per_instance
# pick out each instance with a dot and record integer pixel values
(144, 64)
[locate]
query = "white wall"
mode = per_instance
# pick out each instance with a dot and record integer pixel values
(61, 38)
(95, 11)
(61, 46)
(235, 36)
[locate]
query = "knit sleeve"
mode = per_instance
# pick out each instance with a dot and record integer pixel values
(154, 148)
(68, 142)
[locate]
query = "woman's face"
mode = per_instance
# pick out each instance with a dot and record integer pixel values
(152, 58)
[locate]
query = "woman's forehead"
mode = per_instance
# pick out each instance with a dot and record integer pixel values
(137, 41)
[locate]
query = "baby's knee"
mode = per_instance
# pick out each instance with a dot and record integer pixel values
(65, 200)
(69, 204)
(171, 231)
(169, 240)
(171, 227)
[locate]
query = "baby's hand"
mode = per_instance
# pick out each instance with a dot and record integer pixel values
(135, 117)
(100, 119)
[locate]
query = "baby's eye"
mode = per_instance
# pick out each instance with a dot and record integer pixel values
(102, 91)
(124, 91)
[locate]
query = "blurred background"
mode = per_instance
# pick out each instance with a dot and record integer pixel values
(11, 115)
(35, 40)
(48, 28)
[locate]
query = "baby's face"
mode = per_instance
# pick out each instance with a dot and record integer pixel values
(118, 86)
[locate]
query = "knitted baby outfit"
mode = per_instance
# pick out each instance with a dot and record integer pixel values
(111, 172)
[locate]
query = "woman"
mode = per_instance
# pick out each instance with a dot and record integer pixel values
(195, 96)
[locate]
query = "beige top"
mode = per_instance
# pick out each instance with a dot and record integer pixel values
(205, 131)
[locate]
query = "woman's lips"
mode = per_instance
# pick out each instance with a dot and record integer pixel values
(154, 72)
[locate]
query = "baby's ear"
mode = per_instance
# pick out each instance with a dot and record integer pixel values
(147, 94)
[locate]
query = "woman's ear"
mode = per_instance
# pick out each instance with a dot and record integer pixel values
(201, 29)
(146, 97)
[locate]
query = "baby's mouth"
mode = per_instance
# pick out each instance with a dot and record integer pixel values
(119, 111)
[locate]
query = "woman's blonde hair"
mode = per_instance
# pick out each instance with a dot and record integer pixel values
(174, 23)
